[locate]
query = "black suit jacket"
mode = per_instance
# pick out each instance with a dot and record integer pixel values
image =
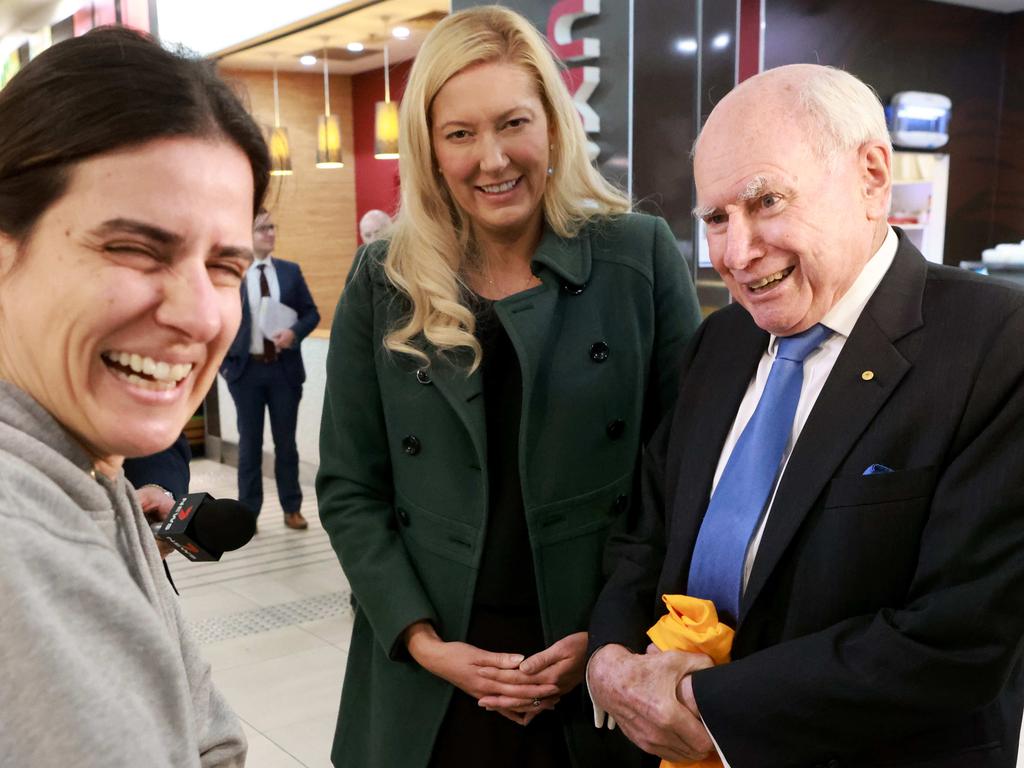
(295, 294)
(883, 620)
(168, 468)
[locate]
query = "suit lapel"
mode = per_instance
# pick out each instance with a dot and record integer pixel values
(284, 280)
(845, 408)
(242, 340)
(463, 391)
(527, 318)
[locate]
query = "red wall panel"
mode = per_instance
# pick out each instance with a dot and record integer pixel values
(377, 181)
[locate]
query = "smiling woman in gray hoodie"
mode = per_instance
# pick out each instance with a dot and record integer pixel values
(129, 176)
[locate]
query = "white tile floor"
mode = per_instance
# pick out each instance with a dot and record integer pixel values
(282, 602)
(280, 607)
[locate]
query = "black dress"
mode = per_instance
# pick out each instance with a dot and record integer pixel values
(506, 611)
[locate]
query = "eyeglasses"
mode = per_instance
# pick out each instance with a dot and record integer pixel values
(266, 228)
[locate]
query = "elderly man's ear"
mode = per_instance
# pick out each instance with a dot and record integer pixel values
(876, 179)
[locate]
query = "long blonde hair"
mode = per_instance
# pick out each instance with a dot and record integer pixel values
(432, 236)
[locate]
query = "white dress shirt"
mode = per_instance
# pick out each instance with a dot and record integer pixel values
(257, 305)
(841, 319)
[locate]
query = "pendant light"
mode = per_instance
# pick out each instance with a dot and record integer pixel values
(328, 129)
(385, 142)
(280, 151)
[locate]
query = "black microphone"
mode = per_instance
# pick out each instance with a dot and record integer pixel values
(204, 528)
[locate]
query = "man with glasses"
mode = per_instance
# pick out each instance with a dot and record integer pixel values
(264, 370)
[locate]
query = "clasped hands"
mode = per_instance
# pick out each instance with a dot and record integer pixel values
(510, 684)
(651, 698)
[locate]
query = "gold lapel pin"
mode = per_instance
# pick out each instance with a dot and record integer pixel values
(868, 375)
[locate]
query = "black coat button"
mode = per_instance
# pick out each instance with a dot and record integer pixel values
(573, 290)
(423, 376)
(615, 428)
(598, 351)
(411, 445)
(403, 516)
(620, 505)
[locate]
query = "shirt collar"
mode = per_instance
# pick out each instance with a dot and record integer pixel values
(845, 313)
(257, 262)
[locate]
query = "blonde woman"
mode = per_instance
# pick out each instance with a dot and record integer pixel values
(495, 367)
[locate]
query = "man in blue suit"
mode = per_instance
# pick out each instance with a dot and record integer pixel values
(265, 372)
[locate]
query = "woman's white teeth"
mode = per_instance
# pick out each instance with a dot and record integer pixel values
(769, 279)
(505, 186)
(160, 371)
(138, 381)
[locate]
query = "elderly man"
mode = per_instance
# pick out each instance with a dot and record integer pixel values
(843, 474)
(373, 225)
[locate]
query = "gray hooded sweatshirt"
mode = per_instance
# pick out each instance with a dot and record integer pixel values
(97, 667)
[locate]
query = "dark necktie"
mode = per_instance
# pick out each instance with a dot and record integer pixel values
(743, 491)
(269, 351)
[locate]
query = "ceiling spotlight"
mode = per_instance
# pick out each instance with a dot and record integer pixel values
(402, 33)
(307, 60)
(355, 47)
(719, 41)
(686, 45)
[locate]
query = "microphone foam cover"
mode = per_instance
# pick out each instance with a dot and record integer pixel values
(223, 525)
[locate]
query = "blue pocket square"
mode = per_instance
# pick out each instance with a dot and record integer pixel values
(877, 469)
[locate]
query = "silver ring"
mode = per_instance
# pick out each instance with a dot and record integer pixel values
(536, 702)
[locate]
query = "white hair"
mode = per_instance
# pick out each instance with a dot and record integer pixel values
(373, 225)
(842, 111)
(845, 112)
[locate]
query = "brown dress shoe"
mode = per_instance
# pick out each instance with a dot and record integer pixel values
(295, 520)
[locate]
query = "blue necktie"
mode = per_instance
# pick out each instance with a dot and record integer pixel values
(742, 493)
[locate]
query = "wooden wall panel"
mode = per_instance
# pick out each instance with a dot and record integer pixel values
(314, 209)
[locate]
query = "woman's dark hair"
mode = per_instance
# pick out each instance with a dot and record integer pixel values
(108, 89)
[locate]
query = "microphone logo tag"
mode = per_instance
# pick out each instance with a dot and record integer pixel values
(185, 513)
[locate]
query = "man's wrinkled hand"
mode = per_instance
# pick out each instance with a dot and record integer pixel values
(643, 694)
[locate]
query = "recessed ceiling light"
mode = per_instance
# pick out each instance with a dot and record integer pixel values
(720, 41)
(307, 60)
(686, 45)
(402, 33)
(355, 47)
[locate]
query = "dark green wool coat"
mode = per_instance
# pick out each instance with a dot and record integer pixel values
(403, 483)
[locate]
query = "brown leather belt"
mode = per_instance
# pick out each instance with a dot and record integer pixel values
(265, 359)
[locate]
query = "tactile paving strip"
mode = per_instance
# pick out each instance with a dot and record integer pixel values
(270, 617)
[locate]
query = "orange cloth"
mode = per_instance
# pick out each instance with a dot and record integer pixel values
(692, 625)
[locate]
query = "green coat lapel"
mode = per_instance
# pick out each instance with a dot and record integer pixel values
(563, 266)
(464, 393)
(528, 317)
